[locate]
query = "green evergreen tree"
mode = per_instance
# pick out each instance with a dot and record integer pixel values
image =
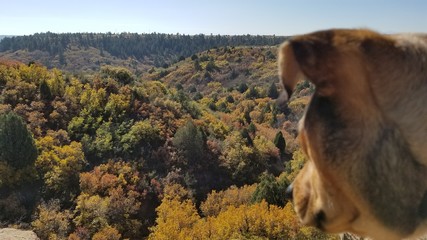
(17, 147)
(247, 117)
(252, 128)
(45, 92)
(197, 66)
(192, 89)
(271, 190)
(272, 91)
(242, 87)
(280, 142)
(245, 135)
(189, 140)
(230, 99)
(252, 93)
(198, 96)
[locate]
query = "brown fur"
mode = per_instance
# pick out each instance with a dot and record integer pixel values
(364, 131)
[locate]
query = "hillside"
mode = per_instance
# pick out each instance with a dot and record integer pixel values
(75, 60)
(77, 52)
(229, 66)
(110, 153)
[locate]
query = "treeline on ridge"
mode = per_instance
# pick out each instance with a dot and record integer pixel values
(133, 45)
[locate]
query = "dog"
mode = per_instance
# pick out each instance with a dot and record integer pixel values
(364, 131)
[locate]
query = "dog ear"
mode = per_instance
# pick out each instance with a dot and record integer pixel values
(289, 70)
(310, 57)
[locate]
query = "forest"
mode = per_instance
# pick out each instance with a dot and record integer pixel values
(154, 49)
(194, 149)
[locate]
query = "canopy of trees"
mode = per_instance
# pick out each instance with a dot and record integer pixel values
(171, 154)
(124, 45)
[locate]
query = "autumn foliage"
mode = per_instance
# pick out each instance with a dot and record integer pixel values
(173, 153)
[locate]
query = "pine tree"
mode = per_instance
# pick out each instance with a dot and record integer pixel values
(269, 190)
(272, 91)
(280, 143)
(252, 93)
(17, 147)
(247, 117)
(245, 135)
(197, 66)
(252, 128)
(242, 87)
(189, 139)
(45, 92)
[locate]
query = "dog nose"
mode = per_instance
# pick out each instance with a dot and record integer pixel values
(289, 193)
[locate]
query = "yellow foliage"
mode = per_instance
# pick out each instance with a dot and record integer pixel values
(33, 74)
(217, 202)
(175, 219)
(117, 104)
(215, 126)
(92, 99)
(91, 212)
(215, 86)
(152, 90)
(229, 215)
(206, 101)
(59, 165)
(257, 221)
(265, 147)
(298, 105)
(256, 116)
(51, 222)
(297, 162)
(168, 104)
(176, 191)
(237, 156)
(56, 82)
(73, 92)
(46, 143)
(107, 233)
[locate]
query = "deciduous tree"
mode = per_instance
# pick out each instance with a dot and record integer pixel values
(175, 218)
(51, 222)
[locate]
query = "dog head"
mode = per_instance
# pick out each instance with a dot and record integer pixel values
(362, 175)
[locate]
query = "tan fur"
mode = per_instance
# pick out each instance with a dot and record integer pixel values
(364, 131)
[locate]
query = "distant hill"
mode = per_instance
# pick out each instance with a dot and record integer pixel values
(88, 51)
(230, 66)
(196, 128)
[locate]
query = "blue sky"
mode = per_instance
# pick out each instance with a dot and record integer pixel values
(263, 17)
